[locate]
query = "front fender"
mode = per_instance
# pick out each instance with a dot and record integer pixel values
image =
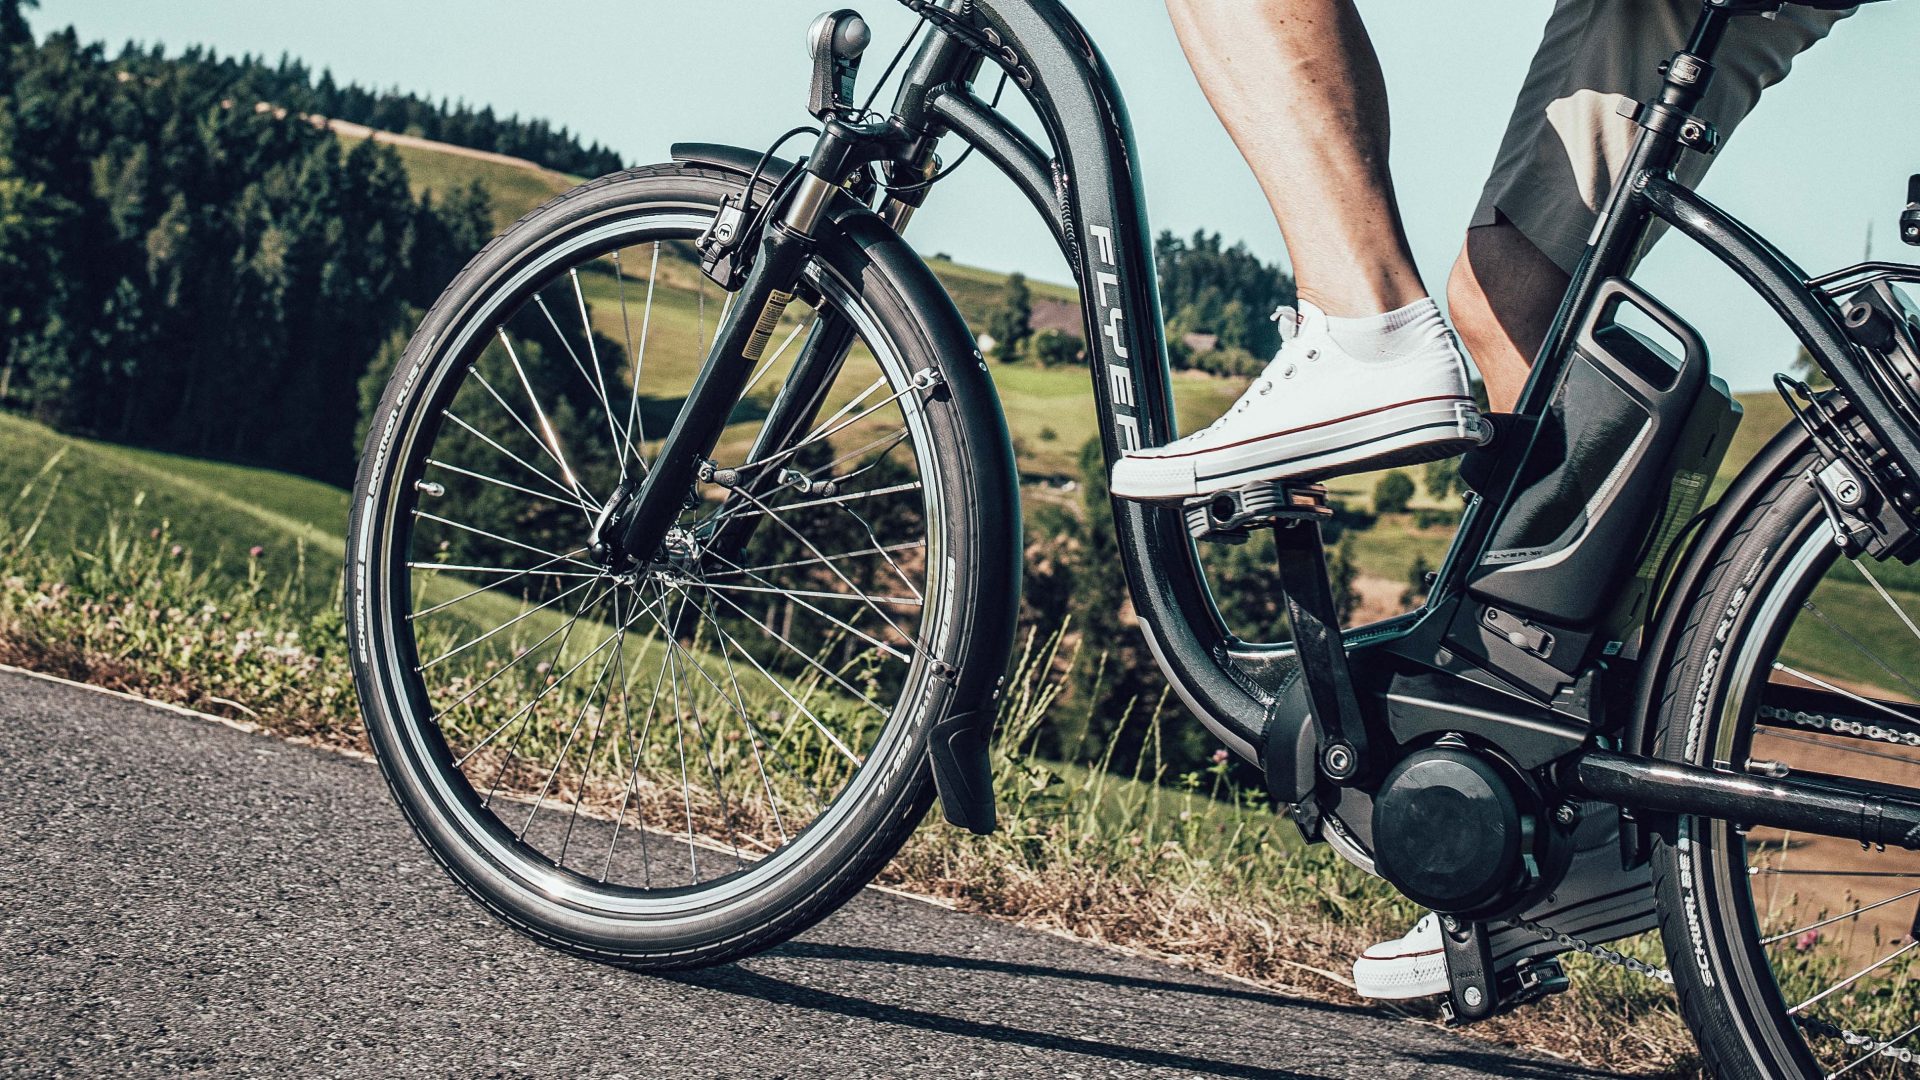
(966, 691)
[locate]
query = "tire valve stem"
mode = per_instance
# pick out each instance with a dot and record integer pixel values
(428, 487)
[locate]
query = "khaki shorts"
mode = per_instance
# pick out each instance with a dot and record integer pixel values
(1567, 144)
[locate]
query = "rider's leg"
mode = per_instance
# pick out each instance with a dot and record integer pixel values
(1564, 149)
(1502, 296)
(1297, 85)
(1370, 374)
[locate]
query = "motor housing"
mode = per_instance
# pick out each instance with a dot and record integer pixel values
(1463, 832)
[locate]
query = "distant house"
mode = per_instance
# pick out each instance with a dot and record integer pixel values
(987, 343)
(1200, 343)
(1056, 315)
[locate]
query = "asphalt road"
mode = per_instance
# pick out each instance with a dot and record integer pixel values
(180, 897)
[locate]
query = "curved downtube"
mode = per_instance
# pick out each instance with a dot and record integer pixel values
(1098, 211)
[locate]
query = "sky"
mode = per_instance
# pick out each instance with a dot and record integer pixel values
(1820, 168)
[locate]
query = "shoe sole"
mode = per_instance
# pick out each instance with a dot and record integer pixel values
(1407, 434)
(1401, 978)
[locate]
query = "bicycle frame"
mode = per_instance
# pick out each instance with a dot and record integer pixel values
(1091, 197)
(1249, 693)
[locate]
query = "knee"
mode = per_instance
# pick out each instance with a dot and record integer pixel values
(1467, 301)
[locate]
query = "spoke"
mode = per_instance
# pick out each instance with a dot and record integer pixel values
(1798, 930)
(706, 743)
(635, 751)
(767, 364)
(844, 579)
(1888, 597)
(569, 502)
(1877, 1050)
(739, 703)
(541, 473)
(595, 381)
(619, 658)
(551, 555)
(579, 718)
(788, 694)
(464, 569)
(908, 545)
(1758, 870)
(820, 431)
(1825, 685)
(810, 661)
(908, 601)
(558, 681)
(848, 627)
(680, 730)
(571, 487)
(1860, 647)
(559, 653)
(496, 584)
(1857, 976)
(831, 500)
(501, 670)
(546, 425)
(457, 650)
(637, 428)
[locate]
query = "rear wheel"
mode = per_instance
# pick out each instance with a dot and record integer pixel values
(683, 758)
(1795, 955)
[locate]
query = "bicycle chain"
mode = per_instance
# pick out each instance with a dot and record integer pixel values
(1619, 959)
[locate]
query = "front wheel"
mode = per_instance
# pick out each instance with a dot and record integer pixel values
(1795, 955)
(678, 758)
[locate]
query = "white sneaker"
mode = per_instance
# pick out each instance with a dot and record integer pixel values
(1408, 967)
(1318, 410)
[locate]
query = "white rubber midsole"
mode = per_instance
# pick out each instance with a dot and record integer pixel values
(1449, 425)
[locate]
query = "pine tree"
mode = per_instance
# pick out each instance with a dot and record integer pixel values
(1012, 325)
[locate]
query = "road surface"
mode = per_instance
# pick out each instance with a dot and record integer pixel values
(180, 897)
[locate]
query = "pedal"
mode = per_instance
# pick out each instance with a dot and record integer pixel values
(1532, 981)
(1230, 517)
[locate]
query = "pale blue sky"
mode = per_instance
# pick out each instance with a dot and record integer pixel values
(1827, 154)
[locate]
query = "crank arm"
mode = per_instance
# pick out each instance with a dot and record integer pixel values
(1830, 806)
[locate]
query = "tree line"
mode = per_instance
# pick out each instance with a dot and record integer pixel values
(1222, 296)
(292, 85)
(180, 272)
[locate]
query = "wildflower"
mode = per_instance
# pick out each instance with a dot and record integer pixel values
(1219, 757)
(1806, 941)
(256, 551)
(177, 549)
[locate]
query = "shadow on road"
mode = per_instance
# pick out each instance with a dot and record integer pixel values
(1131, 1044)
(737, 980)
(867, 954)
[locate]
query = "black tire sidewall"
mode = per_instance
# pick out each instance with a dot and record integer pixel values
(867, 836)
(1721, 974)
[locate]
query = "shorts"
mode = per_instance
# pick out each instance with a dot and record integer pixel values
(1567, 144)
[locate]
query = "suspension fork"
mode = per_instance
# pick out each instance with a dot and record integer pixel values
(737, 349)
(789, 421)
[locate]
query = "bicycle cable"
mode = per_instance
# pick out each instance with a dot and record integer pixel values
(867, 108)
(921, 185)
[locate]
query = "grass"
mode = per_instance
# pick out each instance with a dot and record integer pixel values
(119, 571)
(515, 189)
